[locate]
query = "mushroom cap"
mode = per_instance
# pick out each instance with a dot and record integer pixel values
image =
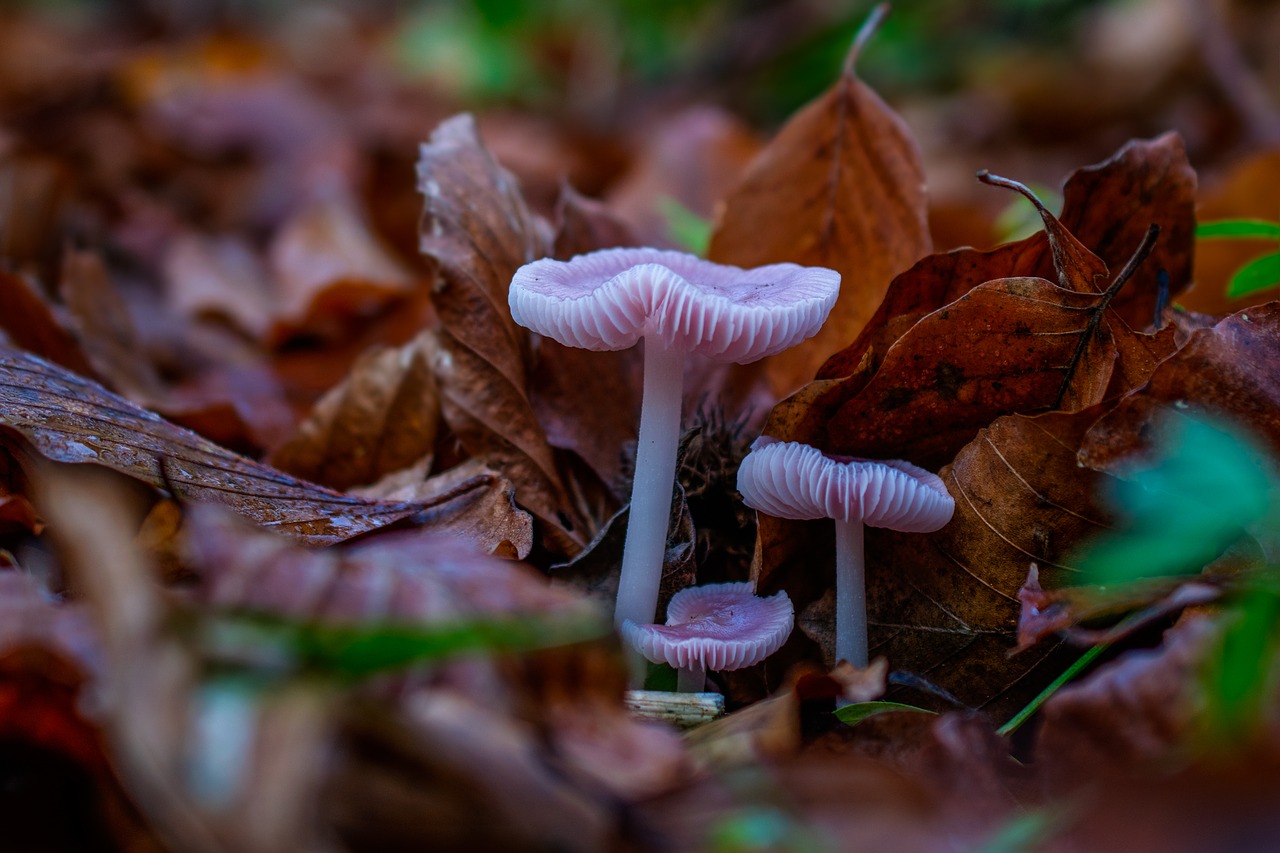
(787, 479)
(720, 626)
(609, 299)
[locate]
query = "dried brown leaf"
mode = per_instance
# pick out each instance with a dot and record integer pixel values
(478, 228)
(841, 186)
(68, 418)
(1136, 711)
(1219, 372)
(470, 501)
(382, 418)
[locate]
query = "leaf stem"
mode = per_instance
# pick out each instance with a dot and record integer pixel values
(864, 34)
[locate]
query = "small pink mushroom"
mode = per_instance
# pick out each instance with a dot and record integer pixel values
(791, 480)
(717, 627)
(678, 304)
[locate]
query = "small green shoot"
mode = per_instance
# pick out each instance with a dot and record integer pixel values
(1239, 229)
(859, 711)
(686, 229)
(1261, 273)
(1016, 721)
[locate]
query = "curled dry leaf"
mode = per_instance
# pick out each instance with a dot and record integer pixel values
(1110, 206)
(1005, 346)
(382, 418)
(68, 418)
(841, 186)
(478, 228)
(469, 501)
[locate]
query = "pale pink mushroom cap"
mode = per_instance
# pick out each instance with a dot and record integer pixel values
(717, 627)
(608, 300)
(787, 479)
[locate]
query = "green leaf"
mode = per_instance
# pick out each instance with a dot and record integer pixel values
(859, 711)
(1259, 274)
(1237, 680)
(1028, 831)
(355, 651)
(1071, 672)
(1240, 229)
(687, 229)
(1209, 483)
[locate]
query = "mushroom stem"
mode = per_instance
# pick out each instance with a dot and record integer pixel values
(691, 678)
(659, 438)
(851, 597)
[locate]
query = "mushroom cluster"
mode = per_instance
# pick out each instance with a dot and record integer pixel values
(680, 305)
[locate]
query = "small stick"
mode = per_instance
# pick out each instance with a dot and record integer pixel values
(683, 710)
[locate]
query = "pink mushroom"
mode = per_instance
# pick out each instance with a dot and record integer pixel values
(679, 305)
(717, 627)
(791, 480)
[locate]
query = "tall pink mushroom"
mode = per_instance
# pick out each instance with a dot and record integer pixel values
(791, 480)
(680, 305)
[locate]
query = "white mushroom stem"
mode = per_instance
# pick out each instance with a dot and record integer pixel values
(646, 543)
(691, 679)
(851, 595)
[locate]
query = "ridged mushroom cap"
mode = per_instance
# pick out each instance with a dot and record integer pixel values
(787, 479)
(608, 300)
(720, 626)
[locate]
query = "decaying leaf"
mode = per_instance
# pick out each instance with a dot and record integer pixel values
(1105, 206)
(841, 186)
(478, 228)
(382, 418)
(1215, 373)
(68, 418)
